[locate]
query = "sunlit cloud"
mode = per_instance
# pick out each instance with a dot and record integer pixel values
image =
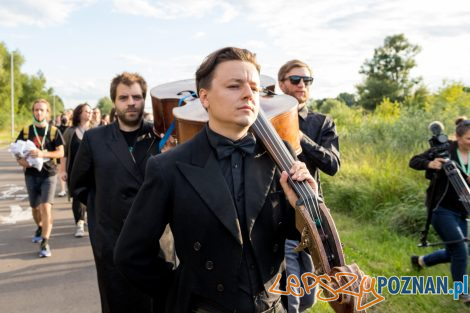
(41, 13)
(255, 44)
(336, 37)
(176, 9)
(199, 35)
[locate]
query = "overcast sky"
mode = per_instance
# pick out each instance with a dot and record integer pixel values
(81, 45)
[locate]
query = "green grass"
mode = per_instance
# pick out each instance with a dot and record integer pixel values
(381, 252)
(5, 131)
(5, 137)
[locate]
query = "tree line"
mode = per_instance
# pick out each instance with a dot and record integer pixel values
(27, 88)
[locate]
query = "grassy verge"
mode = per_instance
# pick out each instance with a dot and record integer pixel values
(5, 138)
(380, 252)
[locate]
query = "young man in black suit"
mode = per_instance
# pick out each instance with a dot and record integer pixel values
(224, 200)
(107, 173)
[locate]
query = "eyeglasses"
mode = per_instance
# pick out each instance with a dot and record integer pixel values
(295, 79)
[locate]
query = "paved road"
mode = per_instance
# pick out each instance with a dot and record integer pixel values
(65, 282)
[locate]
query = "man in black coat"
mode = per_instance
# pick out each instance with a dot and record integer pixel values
(224, 200)
(320, 151)
(107, 174)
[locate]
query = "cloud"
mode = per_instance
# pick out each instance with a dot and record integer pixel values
(40, 13)
(255, 44)
(199, 35)
(176, 9)
(335, 37)
(133, 60)
(80, 90)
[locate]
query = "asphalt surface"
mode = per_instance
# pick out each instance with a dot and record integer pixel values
(64, 282)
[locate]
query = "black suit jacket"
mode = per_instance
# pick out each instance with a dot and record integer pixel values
(106, 178)
(186, 188)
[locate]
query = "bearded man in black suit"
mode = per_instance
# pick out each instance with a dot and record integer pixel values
(107, 174)
(226, 202)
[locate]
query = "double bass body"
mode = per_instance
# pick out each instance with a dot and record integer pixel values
(190, 116)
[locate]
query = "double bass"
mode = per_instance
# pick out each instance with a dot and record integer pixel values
(277, 121)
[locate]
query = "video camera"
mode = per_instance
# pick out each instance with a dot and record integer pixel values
(439, 141)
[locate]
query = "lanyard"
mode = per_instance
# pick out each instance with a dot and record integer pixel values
(465, 168)
(43, 138)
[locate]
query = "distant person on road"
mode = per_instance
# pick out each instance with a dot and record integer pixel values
(72, 138)
(41, 184)
(68, 113)
(96, 117)
(105, 119)
(112, 115)
(148, 117)
(107, 173)
(62, 126)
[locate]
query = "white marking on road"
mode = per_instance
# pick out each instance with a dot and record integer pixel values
(10, 191)
(17, 214)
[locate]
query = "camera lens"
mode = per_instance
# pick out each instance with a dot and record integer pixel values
(442, 138)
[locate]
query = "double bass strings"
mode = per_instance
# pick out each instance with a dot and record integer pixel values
(284, 159)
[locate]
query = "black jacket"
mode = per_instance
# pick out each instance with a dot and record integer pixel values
(186, 188)
(106, 178)
(320, 144)
(439, 183)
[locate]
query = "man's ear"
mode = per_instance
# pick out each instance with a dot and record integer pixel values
(282, 85)
(203, 97)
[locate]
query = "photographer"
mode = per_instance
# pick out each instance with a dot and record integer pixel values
(448, 213)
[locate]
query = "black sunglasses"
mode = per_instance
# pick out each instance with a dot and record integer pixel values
(295, 79)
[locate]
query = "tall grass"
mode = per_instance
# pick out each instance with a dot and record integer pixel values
(375, 182)
(381, 252)
(377, 200)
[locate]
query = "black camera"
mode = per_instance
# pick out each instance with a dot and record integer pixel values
(439, 141)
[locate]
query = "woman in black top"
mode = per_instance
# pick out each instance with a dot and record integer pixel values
(72, 138)
(448, 213)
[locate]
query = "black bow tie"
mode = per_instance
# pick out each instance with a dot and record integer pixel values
(226, 147)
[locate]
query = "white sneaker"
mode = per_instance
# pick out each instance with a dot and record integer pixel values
(80, 230)
(62, 194)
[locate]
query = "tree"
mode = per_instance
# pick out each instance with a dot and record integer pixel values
(387, 73)
(420, 98)
(105, 105)
(5, 82)
(348, 98)
(330, 104)
(27, 88)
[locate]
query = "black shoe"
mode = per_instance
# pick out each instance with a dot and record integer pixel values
(415, 263)
(465, 299)
(37, 235)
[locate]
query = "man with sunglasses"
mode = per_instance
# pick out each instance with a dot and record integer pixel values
(320, 151)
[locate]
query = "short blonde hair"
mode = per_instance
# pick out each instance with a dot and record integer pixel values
(289, 66)
(42, 101)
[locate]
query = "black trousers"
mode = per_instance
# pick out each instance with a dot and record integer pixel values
(79, 210)
(118, 296)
